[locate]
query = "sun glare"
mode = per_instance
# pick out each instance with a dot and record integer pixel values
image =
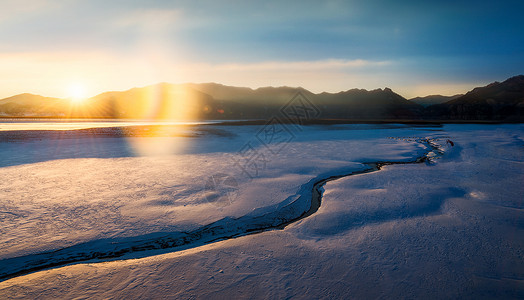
(77, 92)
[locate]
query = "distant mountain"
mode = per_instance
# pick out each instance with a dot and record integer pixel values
(216, 101)
(263, 103)
(211, 101)
(30, 100)
(33, 105)
(363, 104)
(502, 101)
(160, 101)
(247, 103)
(433, 99)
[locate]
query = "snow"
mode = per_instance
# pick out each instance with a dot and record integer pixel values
(62, 202)
(451, 228)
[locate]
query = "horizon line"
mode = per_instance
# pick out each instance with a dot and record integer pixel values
(251, 88)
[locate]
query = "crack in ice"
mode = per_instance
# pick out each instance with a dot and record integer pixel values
(307, 203)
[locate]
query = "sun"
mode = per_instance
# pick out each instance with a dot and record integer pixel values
(77, 92)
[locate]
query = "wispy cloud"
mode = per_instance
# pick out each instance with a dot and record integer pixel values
(329, 64)
(16, 9)
(151, 20)
(49, 72)
(321, 45)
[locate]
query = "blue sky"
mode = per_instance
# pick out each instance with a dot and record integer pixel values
(414, 47)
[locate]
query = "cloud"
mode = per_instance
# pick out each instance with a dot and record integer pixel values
(329, 64)
(149, 20)
(15, 9)
(49, 72)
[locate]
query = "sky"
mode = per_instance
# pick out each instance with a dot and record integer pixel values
(417, 48)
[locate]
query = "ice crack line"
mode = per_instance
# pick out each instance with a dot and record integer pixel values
(227, 228)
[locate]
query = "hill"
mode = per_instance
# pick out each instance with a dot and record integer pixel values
(433, 99)
(501, 101)
(216, 101)
(161, 101)
(33, 105)
(363, 104)
(212, 101)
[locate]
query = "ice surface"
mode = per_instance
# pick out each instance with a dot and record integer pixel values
(453, 228)
(61, 202)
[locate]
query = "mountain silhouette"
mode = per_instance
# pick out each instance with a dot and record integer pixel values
(433, 99)
(212, 101)
(501, 101)
(362, 104)
(33, 105)
(161, 101)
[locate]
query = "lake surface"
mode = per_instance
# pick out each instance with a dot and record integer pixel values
(72, 124)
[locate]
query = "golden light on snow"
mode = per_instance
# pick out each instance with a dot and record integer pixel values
(163, 103)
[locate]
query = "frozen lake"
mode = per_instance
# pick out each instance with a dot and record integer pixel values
(72, 124)
(448, 227)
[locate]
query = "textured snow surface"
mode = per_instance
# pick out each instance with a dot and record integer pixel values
(453, 228)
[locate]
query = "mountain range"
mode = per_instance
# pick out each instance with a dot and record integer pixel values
(433, 99)
(498, 101)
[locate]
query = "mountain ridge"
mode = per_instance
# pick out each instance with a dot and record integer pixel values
(434, 99)
(495, 101)
(501, 101)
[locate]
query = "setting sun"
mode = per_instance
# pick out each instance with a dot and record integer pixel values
(77, 92)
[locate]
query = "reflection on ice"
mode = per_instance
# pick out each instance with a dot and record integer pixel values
(12, 124)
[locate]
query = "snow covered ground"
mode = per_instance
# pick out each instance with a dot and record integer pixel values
(452, 228)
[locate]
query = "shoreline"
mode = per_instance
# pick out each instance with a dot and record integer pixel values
(260, 121)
